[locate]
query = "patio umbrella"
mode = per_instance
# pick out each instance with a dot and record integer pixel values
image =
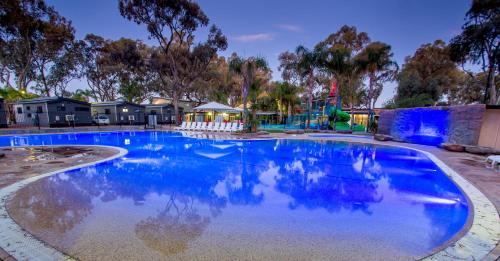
(215, 106)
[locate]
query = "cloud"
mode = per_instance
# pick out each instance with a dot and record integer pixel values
(247, 38)
(289, 27)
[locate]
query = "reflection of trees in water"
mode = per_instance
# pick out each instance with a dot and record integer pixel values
(241, 182)
(174, 227)
(444, 205)
(52, 205)
(332, 176)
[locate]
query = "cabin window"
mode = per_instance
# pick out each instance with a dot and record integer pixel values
(107, 111)
(39, 109)
(61, 108)
(28, 108)
(28, 115)
(19, 110)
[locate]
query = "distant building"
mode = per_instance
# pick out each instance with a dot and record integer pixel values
(164, 112)
(120, 112)
(53, 112)
(3, 114)
(186, 105)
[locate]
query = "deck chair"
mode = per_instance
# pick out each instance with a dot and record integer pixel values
(228, 127)
(494, 160)
(222, 126)
(234, 127)
(195, 125)
(240, 127)
(183, 125)
(216, 126)
(188, 126)
(198, 126)
(209, 126)
(203, 126)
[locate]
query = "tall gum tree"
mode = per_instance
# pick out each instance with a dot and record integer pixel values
(173, 23)
(479, 43)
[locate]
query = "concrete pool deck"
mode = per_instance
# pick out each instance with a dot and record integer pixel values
(468, 166)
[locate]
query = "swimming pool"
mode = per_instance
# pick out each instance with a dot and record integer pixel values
(183, 198)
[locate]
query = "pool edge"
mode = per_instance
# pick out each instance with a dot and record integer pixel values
(14, 239)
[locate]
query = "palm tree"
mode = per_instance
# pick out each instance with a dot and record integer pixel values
(247, 69)
(376, 59)
(307, 65)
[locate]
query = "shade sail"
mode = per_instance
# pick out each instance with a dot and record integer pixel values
(215, 106)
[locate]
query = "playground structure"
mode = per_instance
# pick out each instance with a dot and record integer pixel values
(324, 116)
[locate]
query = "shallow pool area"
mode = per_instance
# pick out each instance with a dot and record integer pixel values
(184, 198)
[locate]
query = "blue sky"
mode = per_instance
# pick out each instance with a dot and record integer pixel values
(267, 28)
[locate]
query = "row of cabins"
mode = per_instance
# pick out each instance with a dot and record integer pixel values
(59, 111)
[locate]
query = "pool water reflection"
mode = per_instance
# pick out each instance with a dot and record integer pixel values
(183, 198)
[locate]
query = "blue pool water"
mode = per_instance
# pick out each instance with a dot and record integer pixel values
(183, 198)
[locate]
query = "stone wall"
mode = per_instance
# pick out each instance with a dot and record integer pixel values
(433, 125)
(385, 121)
(465, 124)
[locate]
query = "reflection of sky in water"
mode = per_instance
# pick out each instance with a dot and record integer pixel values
(186, 198)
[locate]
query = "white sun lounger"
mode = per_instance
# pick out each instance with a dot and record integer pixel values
(222, 127)
(183, 126)
(234, 127)
(199, 126)
(187, 126)
(209, 127)
(203, 126)
(494, 160)
(190, 125)
(228, 127)
(216, 126)
(240, 127)
(195, 125)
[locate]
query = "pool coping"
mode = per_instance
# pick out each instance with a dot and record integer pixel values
(473, 242)
(18, 242)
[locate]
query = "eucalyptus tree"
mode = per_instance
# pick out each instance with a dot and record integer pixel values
(187, 63)
(248, 69)
(339, 51)
(32, 37)
(102, 77)
(430, 72)
(179, 61)
(66, 68)
(218, 84)
(479, 43)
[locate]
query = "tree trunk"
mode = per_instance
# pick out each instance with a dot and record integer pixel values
(245, 100)
(289, 117)
(352, 116)
(309, 100)
(254, 120)
(370, 97)
(280, 119)
(491, 85)
(175, 101)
